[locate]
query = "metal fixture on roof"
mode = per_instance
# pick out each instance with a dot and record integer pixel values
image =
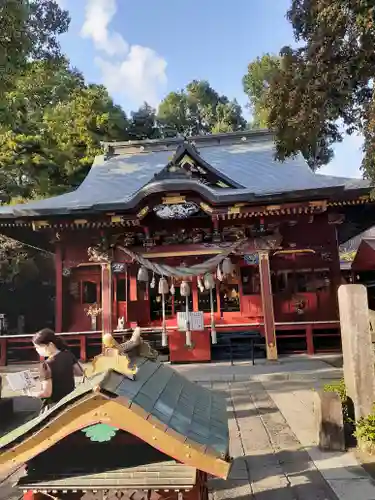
(108, 151)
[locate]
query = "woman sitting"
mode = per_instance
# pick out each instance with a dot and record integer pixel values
(58, 370)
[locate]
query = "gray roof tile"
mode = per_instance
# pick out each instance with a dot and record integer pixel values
(250, 164)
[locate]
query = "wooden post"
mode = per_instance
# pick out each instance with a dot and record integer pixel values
(359, 372)
(59, 288)
(310, 339)
(267, 304)
(3, 352)
(106, 298)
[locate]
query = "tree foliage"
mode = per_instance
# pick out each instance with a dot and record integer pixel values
(53, 129)
(325, 86)
(28, 29)
(198, 109)
(143, 124)
(256, 84)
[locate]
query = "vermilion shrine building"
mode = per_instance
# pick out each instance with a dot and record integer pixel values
(184, 203)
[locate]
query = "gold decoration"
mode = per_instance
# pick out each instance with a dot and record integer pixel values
(173, 200)
(234, 210)
(97, 254)
(111, 360)
(93, 311)
(188, 160)
(39, 224)
(142, 213)
(206, 208)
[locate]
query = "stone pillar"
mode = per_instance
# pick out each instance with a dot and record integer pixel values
(357, 349)
(267, 305)
(329, 421)
(106, 298)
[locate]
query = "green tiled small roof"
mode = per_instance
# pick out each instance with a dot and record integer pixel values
(185, 407)
(36, 423)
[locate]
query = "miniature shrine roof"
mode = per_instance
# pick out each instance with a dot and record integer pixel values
(163, 475)
(242, 164)
(161, 407)
(364, 259)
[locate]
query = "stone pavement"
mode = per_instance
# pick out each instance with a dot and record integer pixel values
(272, 439)
(270, 463)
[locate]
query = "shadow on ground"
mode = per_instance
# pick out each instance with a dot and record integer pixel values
(286, 475)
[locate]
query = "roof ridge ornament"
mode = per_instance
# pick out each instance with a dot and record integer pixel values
(109, 151)
(120, 357)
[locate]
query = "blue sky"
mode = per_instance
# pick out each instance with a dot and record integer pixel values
(141, 50)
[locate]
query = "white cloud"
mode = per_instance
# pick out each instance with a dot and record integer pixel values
(99, 14)
(134, 72)
(138, 77)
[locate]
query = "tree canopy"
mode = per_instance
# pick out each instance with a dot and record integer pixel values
(28, 29)
(52, 129)
(323, 88)
(256, 84)
(198, 109)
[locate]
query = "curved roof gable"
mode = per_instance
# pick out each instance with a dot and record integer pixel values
(244, 162)
(161, 407)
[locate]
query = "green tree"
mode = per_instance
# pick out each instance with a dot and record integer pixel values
(28, 29)
(327, 82)
(143, 124)
(173, 115)
(198, 109)
(256, 84)
(53, 130)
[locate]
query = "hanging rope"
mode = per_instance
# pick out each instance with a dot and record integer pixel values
(181, 272)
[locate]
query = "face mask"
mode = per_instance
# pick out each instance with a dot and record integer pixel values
(42, 351)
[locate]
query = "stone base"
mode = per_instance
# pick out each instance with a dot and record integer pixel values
(6, 410)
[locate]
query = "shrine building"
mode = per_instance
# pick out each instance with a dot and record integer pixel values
(196, 240)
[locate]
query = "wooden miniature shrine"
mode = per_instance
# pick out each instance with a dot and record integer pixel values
(142, 431)
(194, 241)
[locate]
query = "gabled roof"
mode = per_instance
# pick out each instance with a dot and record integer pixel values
(364, 259)
(129, 171)
(161, 407)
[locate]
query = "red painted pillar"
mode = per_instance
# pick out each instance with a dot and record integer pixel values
(106, 298)
(59, 288)
(267, 303)
(310, 339)
(3, 352)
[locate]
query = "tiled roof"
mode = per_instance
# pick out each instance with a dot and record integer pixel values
(27, 429)
(115, 181)
(194, 412)
(187, 408)
(162, 475)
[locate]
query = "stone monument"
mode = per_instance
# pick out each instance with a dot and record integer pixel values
(359, 372)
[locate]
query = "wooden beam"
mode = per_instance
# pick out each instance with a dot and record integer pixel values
(267, 304)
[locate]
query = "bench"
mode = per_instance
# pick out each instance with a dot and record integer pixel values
(239, 345)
